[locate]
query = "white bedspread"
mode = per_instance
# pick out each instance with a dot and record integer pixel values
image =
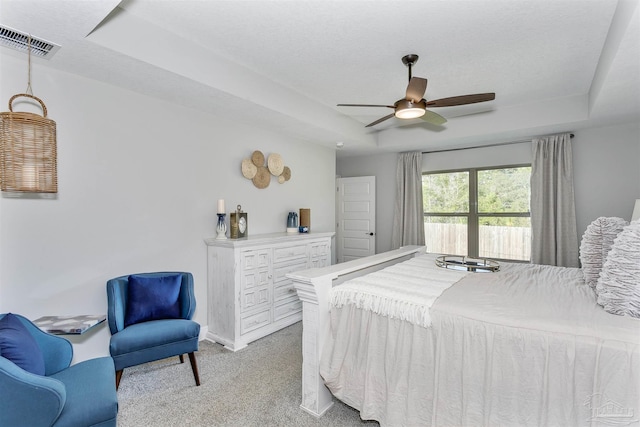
(526, 346)
(404, 291)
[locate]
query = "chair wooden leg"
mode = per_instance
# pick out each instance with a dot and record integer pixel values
(181, 358)
(194, 367)
(118, 377)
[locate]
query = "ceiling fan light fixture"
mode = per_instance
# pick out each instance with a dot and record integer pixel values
(410, 113)
(406, 109)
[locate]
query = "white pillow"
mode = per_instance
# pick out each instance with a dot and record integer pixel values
(595, 245)
(618, 287)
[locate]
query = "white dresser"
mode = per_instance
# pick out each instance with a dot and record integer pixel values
(249, 294)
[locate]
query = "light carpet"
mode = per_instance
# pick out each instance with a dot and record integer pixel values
(259, 385)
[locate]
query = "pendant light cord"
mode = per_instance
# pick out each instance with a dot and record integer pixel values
(29, 90)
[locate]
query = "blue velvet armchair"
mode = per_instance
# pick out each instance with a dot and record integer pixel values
(159, 334)
(77, 395)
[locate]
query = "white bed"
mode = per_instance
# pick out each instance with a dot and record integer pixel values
(527, 345)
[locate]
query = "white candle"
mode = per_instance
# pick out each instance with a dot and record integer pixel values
(221, 206)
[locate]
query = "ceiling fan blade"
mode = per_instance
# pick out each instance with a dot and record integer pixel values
(364, 105)
(433, 118)
(416, 89)
(462, 100)
(380, 120)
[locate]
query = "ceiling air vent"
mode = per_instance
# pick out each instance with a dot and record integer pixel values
(18, 40)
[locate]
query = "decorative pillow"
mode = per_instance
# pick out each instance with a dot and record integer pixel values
(618, 288)
(152, 298)
(18, 345)
(595, 245)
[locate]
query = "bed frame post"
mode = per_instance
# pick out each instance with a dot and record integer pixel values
(313, 288)
(314, 293)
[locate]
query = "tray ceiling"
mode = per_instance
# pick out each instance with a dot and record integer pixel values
(555, 65)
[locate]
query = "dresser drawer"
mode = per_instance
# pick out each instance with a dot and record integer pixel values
(284, 291)
(251, 279)
(320, 250)
(252, 299)
(320, 262)
(254, 321)
(280, 271)
(287, 253)
(287, 309)
(255, 259)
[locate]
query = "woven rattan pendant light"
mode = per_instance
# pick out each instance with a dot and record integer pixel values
(28, 154)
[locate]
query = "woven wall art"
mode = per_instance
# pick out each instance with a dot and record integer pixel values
(260, 171)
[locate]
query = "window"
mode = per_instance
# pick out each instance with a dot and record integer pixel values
(479, 212)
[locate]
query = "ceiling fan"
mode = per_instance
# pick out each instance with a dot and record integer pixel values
(413, 105)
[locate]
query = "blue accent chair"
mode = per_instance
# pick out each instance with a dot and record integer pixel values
(77, 395)
(154, 339)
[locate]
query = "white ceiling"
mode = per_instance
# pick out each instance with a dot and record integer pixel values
(555, 65)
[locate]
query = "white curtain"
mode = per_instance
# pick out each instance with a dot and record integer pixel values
(408, 215)
(553, 212)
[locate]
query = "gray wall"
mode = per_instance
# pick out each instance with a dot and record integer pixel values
(606, 164)
(383, 167)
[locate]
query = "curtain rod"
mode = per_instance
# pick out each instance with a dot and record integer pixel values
(497, 144)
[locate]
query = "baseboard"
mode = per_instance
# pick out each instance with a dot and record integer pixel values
(204, 330)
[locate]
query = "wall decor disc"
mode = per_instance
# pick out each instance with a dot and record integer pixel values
(286, 172)
(262, 178)
(275, 164)
(257, 158)
(249, 170)
(281, 179)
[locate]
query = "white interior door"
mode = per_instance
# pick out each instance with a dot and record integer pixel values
(356, 217)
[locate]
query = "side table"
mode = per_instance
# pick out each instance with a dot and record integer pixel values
(69, 325)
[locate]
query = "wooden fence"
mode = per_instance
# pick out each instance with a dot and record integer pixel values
(494, 241)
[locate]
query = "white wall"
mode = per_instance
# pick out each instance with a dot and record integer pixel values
(138, 183)
(606, 164)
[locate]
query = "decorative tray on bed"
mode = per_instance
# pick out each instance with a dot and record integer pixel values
(476, 265)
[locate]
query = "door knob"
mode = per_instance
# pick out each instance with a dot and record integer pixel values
(370, 234)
